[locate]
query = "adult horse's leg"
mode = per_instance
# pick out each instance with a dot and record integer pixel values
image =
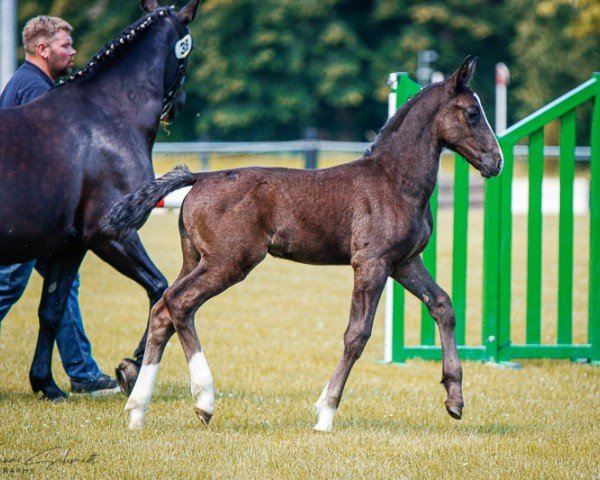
(129, 257)
(369, 280)
(416, 279)
(61, 271)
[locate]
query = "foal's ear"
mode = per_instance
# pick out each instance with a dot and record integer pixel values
(462, 76)
(149, 5)
(188, 13)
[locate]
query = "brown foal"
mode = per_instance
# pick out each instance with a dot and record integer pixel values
(372, 213)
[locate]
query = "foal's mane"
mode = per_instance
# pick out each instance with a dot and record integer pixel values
(398, 118)
(116, 45)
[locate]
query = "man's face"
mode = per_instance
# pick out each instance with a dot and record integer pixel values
(60, 54)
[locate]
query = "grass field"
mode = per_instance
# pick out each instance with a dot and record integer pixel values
(272, 343)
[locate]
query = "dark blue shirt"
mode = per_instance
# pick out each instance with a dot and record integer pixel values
(28, 83)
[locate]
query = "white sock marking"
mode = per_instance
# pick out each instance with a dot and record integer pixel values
(201, 382)
(325, 413)
(139, 400)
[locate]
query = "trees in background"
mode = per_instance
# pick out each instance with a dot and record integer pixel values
(556, 46)
(268, 69)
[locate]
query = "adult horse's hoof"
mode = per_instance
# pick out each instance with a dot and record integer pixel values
(49, 391)
(203, 416)
(455, 411)
(126, 374)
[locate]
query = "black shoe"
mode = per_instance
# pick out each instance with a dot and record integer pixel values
(103, 386)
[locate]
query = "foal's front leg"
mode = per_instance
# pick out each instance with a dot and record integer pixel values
(369, 280)
(416, 279)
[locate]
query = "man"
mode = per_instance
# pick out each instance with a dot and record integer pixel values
(49, 54)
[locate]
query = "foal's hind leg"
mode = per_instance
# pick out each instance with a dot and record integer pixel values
(415, 278)
(369, 280)
(201, 380)
(129, 257)
(159, 332)
(186, 296)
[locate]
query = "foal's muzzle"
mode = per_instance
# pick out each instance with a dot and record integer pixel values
(490, 164)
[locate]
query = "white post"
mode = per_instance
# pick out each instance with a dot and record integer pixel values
(388, 321)
(393, 84)
(502, 78)
(389, 286)
(8, 40)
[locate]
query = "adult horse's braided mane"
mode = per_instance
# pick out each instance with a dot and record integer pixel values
(111, 48)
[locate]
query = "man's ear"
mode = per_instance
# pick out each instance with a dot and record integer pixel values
(40, 50)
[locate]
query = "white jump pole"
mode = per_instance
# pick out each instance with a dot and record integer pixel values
(502, 79)
(8, 40)
(389, 286)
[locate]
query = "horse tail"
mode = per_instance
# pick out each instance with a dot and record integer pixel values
(132, 211)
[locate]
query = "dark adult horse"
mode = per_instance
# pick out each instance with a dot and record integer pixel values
(66, 157)
(372, 213)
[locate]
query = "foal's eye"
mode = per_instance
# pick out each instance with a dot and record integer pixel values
(473, 115)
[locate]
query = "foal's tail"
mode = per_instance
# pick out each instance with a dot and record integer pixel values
(132, 211)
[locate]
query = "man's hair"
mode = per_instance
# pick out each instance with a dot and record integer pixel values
(42, 29)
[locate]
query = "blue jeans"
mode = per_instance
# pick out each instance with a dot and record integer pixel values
(73, 345)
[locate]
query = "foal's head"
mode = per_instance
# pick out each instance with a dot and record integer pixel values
(462, 126)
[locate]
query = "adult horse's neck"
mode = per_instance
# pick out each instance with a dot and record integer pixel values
(408, 148)
(128, 83)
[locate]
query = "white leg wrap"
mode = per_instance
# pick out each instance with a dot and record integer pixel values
(325, 413)
(139, 400)
(201, 382)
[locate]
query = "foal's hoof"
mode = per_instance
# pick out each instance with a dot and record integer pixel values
(454, 410)
(203, 416)
(126, 374)
(136, 419)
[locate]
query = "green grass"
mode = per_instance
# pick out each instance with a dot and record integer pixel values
(272, 343)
